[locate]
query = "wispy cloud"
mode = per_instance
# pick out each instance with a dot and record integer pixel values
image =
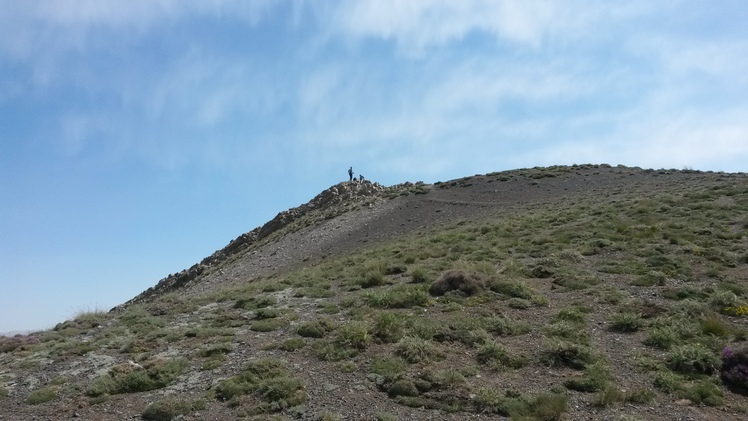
(416, 26)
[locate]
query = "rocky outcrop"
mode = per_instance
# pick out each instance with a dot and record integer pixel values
(329, 203)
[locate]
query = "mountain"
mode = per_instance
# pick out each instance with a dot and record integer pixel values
(566, 292)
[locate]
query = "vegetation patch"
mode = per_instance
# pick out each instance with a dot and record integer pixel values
(42, 395)
(168, 409)
(416, 350)
(269, 383)
(467, 283)
(315, 329)
(496, 356)
(734, 369)
(153, 374)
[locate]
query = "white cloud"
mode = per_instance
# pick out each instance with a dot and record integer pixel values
(418, 25)
(29, 29)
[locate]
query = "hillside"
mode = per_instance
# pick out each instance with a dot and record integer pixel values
(580, 292)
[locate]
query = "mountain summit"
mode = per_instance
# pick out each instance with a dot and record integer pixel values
(566, 292)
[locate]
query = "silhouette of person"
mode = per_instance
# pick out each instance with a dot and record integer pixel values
(350, 174)
(360, 178)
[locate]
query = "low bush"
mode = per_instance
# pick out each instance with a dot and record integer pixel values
(267, 379)
(512, 288)
(400, 296)
(390, 368)
(596, 378)
(415, 350)
(389, 326)
(468, 283)
(292, 344)
(353, 335)
(567, 331)
(168, 409)
(734, 370)
(155, 373)
(692, 359)
(547, 406)
(42, 395)
(418, 275)
(626, 321)
(568, 354)
(496, 356)
(267, 325)
(315, 329)
(371, 279)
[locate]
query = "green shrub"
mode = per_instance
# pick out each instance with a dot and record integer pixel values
(390, 368)
(467, 283)
(168, 409)
(567, 354)
(596, 378)
(495, 355)
(415, 350)
(649, 279)
(662, 337)
(255, 302)
(512, 288)
(315, 329)
(386, 416)
(419, 275)
(389, 326)
(267, 325)
(703, 391)
(639, 396)
(608, 396)
(215, 350)
(626, 321)
(519, 303)
(400, 296)
(722, 299)
(269, 380)
(266, 313)
(125, 378)
(328, 351)
(714, 325)
(402, 387)
(667, 381)
(499, 325)
(571, 314)
(692, 359)
(42, 395)
(371, 279)
(292, 344)
(567, 331)
(353, 335)
(329, 416)
(546, 406)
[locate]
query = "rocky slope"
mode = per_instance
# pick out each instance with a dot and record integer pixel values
(325, 313)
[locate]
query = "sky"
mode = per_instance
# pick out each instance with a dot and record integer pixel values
(137, 137)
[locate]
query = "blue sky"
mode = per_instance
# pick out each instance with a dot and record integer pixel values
(137, 137)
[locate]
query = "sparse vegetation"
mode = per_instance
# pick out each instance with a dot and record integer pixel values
(269, 381)
(168, 409)
(42, 395)
(154, 373)
(466, 317)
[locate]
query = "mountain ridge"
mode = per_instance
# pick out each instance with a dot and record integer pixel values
(565, 292)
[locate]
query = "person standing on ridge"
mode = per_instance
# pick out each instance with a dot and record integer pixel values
(350, 174)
